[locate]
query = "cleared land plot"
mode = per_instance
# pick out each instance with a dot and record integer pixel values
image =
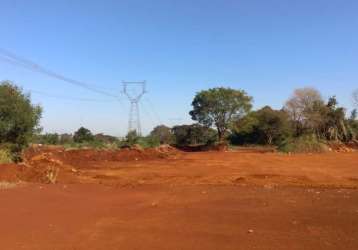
(207, 200)
(88, 216)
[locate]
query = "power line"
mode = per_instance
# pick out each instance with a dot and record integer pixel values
(67, 97)
(151, 106)
(16, 60)
(148, 114)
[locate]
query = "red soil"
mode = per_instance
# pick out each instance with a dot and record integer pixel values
(165, 199)
(85, 217)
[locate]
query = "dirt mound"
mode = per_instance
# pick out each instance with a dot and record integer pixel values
(10, 172)
(165, 148)
(204, 148)
(57, 165)
(85, 158)
(340, 147)
(353, 144)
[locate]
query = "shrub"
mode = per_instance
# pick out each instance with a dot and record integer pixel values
(195, 134)
(131, 138)
(48, 138)
(303, 144)
(5, 156)
(83, 135)
(19, 118)
(163, 133)
(149, 142)
(265, 127)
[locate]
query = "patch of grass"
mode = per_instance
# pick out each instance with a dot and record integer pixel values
(91, 145)
(8, 185)
(304, 144)
(5, 156)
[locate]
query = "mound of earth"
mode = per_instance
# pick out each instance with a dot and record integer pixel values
(341, 147)
(10, 172)
(53, 164)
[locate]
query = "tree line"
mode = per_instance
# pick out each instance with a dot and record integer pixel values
(221, 115)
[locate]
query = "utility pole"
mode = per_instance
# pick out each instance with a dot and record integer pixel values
(129, 89)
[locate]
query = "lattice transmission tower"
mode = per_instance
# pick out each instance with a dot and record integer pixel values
(134, 91)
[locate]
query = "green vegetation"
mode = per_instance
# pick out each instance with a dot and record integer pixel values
(5, 156)
(306, 123)
(48, 138)
(218, 107)
(195, 134)
(265, 127)
(19, 119)
(83, 135)
(163, 134)
(303, 144)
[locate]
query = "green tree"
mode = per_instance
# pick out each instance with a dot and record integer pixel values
(132, 138)
(163, 134)
(219, 106)
(195, 134)
(273, 126)
(83, 135)
(353, 125)
(264, 126)
(335, 125)
(19, 118)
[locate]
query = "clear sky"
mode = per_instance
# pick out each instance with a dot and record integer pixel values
(266, 47)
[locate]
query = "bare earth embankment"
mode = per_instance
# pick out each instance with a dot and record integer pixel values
(165, 199)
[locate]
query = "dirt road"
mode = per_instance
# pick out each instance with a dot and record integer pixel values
(206, 217)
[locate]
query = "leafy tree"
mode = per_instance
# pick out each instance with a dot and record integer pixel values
(334, 127)
(132, 138)
(19, 118)
(194, 134)
(325, 121)
(353, 125)
(273, 125)
(265, 126)
(83, 135)
(163, 134)
(218, 107)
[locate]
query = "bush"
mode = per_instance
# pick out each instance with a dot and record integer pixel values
(149, 142)
(83, 135)
(265, 127)
(163, 134)
(195, 134)
(131, 138)
(48, 138)
(19, 118)
(5, 156)
(303, 144)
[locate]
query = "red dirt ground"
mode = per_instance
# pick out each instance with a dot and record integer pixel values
(245, 199)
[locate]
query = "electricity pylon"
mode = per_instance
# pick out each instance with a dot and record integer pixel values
(134, 98)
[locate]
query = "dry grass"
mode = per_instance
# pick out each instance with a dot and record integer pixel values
(8, 185)
(5, 156)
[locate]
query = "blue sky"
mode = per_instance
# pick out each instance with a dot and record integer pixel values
(268, 48)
